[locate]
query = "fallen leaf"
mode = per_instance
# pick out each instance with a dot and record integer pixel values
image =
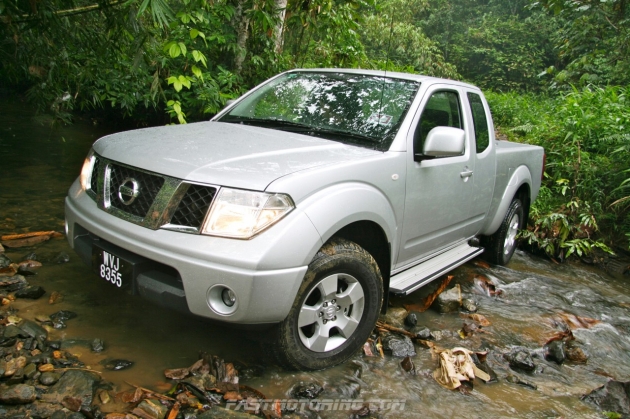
(55, 297)
(232, 395)
(481, 264)
(177, 373)
(479, 318)
(578, 322)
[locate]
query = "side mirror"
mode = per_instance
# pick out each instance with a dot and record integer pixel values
(444, 142)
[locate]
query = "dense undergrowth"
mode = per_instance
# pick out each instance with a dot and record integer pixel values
(584, 200)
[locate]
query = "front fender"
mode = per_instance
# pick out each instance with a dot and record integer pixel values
(520, 177)
(337, 206)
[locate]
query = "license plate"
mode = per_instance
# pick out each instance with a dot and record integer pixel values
(112, 268)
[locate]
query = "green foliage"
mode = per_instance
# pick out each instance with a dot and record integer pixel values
(403, 46)
(593, 40)
(584, 133)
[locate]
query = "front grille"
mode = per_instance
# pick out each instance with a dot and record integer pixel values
(95, 171)
(174, 204)
(193, 207)
(149, 185)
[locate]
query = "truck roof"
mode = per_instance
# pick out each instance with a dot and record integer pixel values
(382, 73)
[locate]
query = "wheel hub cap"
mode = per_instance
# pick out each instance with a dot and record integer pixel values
(331, 312)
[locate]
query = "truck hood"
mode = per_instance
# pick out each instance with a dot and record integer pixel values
(225, 154)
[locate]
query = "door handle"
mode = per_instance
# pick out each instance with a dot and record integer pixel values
(466, 174)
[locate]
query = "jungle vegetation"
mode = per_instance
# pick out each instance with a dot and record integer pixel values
(556, 73)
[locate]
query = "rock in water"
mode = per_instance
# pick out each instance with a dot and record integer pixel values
(33, 329)
(97, 345)
(411, 320)
(520, 359)
(449, 301)
(306, 391)
(424, 333)
(18, 394)
(554, 351)
(395, 316)
(4, 261)
(31, 292)
(63, 315)
(469, 305)
(62, 258)
(118, 364)
(75, 384)
(49, 378)
(399, 346)
(614, 396)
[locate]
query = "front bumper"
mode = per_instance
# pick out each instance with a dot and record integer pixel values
(179, 270)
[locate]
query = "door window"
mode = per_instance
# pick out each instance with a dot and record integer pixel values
(442, 110)
(480, 121)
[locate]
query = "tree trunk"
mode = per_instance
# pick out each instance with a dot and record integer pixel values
(280, 8)
(241, 24)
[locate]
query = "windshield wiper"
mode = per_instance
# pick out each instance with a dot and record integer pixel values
(327, 133)
(266, 123)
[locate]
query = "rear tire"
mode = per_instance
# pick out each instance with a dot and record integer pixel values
(500, 246)
(335, 310)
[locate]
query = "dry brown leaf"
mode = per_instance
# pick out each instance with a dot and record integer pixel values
(578, 322)
(177, 373)
(28, 235)
(479, 318)
(174, 411)
(481, 264)
(232, 395)
(55, 297)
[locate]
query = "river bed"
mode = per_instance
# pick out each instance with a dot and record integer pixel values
(40, 161)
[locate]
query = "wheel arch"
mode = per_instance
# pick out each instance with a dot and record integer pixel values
(519, 186)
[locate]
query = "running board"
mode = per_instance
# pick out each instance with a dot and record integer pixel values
(420, 275)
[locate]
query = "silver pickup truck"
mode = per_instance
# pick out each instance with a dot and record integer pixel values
(303, 204)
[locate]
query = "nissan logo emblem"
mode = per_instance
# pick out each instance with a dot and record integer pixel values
(128, 191)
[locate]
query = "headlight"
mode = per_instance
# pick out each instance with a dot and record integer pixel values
(86, 171)
(243, 214)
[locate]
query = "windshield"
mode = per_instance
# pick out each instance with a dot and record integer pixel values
(351, 108)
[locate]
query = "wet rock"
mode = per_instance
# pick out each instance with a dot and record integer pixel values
(18, 394)
(5, 342)
(75, 384)
(469, 305)
(423, 333)
(614, 396)
(30, 370)
(576, 354)
(63, 315)
(554, 351)
(117, 364)
(33, 329)
(407, 364)
(46, 410)
(449, 301)
(306, 391)
(399, 346)
(17, 378)
(4, 260)
(515, 379)
(26, 271)
(251, 371)
(62, 258)
(13, 283)
(150, 409)
(12, 331)
(396, 316)
(411, 320)
(59, 414)
(49, 378)
(30, 256)
(31, 292)
(520, 359)
(97, 345)
(58, 324)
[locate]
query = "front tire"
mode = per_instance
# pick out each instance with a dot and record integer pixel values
(335, 310)
(501, 245)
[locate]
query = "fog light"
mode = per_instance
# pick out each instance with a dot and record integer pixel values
(228, 297)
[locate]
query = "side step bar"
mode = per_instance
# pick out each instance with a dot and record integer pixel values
(410, 280)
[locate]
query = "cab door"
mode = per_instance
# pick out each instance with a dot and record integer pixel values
(438, 189)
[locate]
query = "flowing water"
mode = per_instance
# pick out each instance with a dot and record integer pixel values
(38, 162)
